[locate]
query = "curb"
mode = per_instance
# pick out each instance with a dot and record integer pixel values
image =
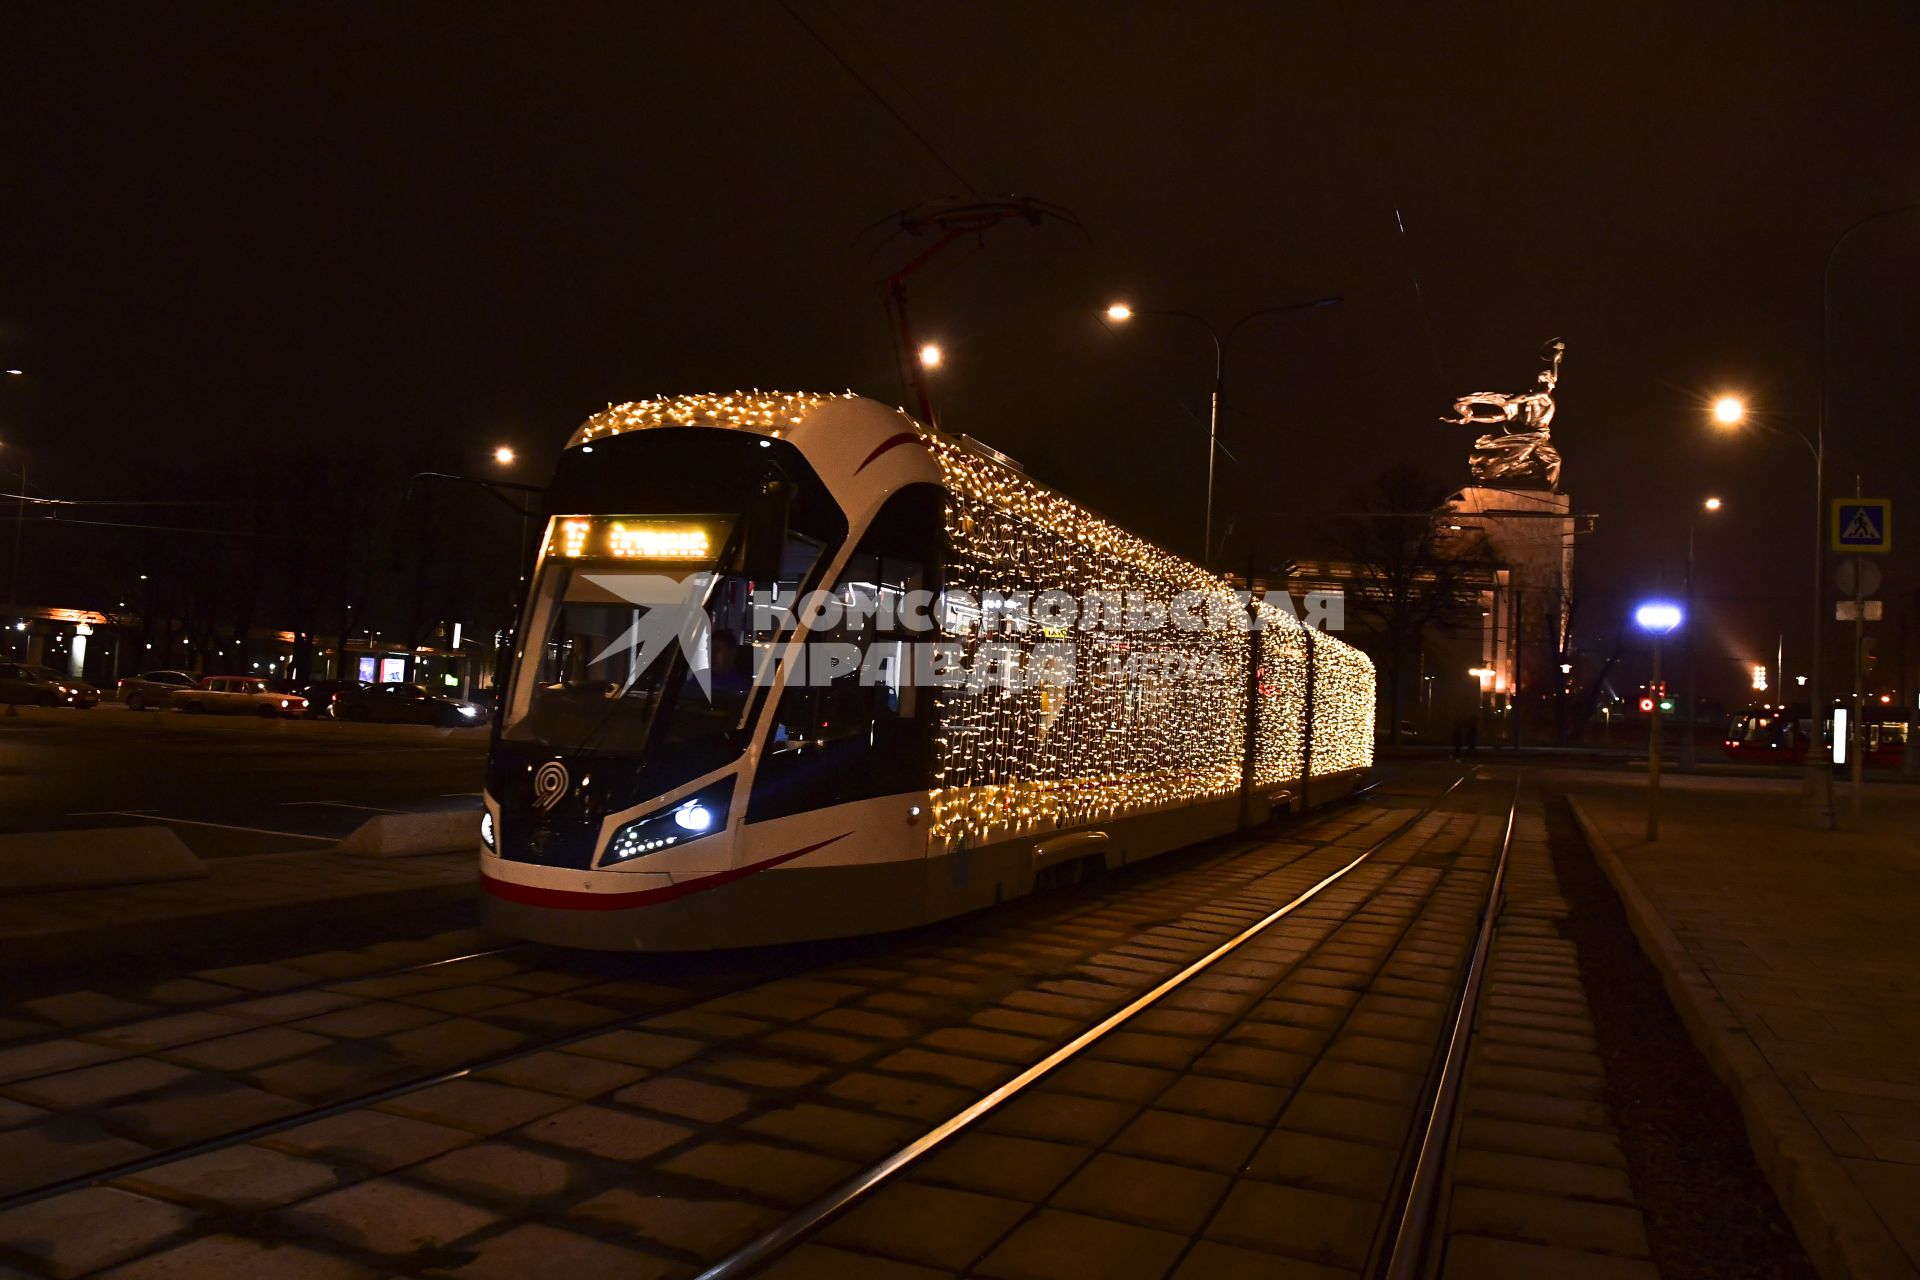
(94, 858)
(407, 835)
(1838, 1228)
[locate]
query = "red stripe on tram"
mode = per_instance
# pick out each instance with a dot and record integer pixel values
(893, 442)
(575, 900)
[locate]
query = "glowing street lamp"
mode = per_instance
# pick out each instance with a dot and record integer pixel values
(931, 356)
(1657, 618)
(504, 455)
(1729, 412)
(1119, 312)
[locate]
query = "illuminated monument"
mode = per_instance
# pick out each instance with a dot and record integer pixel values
(1522, 450)
(1527, 525)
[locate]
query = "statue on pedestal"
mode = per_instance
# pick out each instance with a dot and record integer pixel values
(1523, 447)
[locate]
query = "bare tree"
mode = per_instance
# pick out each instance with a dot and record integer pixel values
(1409, 574)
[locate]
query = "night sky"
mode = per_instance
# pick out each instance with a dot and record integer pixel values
(358, 224)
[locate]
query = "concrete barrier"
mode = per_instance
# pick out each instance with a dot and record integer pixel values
(405, 835)
(94, 858)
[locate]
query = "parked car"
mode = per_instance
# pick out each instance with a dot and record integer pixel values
(155, 688)
(320, 694)
(400, 703)
(44, 687)
(237, 695)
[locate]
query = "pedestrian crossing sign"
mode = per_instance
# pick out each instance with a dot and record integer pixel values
(1863, 524)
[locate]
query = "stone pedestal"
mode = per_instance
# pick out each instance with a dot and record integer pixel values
(1528, 534)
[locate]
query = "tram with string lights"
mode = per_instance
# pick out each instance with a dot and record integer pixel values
(796, 667)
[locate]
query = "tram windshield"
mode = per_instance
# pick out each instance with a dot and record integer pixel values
(640, 628)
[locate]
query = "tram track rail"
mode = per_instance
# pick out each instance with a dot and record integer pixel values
(765, 1248)
(1410, 1245)
(107, 1174)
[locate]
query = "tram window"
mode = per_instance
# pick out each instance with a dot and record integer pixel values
(596, 672)
(850, 725)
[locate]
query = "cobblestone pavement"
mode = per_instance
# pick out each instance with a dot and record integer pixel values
(1539, 1182)
(1249, 1122)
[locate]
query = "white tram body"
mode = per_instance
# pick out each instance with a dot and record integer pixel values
(828, 774)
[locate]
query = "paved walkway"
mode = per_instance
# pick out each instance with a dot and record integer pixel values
(1540, 1184)
(1791, 956)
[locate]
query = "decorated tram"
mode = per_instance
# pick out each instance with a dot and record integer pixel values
(798, 666)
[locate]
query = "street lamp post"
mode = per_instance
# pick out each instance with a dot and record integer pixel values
(1730, 411)
(504, 457)
(19, 517)
(1657, 618)
(1121, 313)
(19, 534)
(1688, 748)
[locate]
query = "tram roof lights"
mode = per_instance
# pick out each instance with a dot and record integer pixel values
(1658, 617)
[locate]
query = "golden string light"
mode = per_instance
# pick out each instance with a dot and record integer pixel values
(1151, 719)
(774, 413)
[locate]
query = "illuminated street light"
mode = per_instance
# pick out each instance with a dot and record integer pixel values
(1657, 618)
(1119, 312)
(1730, 411)
(931, 356)
(1712, 504)
(504, 455)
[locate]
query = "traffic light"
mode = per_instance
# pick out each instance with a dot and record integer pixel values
(1646, 706)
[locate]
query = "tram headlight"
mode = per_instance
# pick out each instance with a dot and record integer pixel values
(700, 814)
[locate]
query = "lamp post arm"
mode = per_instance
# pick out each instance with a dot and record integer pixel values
(1220, 344)
(1308, 304)
(1788, 433)
(1213, 334)
(1826, 314)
